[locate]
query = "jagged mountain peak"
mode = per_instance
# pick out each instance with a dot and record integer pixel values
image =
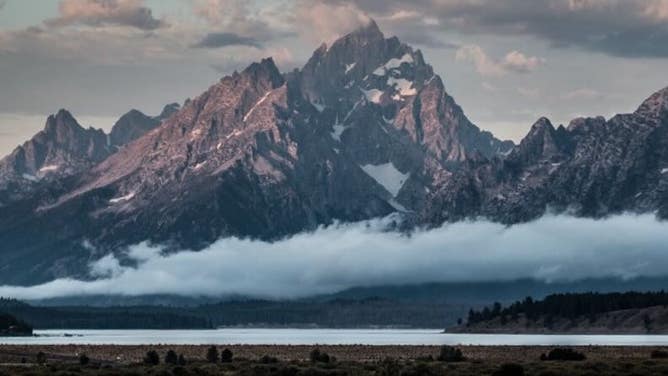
(169, 110)
(541, 128)
(366, 33)
(544, 142)
(656, 105)
(263, 72)
(63, 119)
(131, 126)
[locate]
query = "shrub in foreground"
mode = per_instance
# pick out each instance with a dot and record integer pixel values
(212, 355)
(509, 369)
(84, 360)
(450, 354)
(152, 358)
(182, 360)
(40, 358)
(171, 357)
(563, 354)
(266, 359)
(317, 356)
(226, 356)
(659, 354)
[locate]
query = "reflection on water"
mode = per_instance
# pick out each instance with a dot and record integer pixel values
(321, 336)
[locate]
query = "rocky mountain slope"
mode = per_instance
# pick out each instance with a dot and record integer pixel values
(364, 129)
(135, 124)
(64, 148)
(593, 167)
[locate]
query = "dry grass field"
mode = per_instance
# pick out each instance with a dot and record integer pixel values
(345, 360)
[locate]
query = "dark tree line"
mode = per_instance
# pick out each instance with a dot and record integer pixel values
(323, 313)
(10, 325)
(569, 306)
(83, 317)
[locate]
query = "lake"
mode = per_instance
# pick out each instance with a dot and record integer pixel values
(230, 336)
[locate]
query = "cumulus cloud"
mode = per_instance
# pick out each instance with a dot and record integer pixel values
(105, 12)
(631, 28)
(250, 24)
(486, 65)
(552, 248)
(325, 21)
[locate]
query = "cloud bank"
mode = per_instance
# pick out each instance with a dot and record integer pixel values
(629, 28)
(552, 248)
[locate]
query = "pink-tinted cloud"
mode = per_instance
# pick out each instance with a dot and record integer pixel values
(105, 12)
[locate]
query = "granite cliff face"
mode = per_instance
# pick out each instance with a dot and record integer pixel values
(363, 130)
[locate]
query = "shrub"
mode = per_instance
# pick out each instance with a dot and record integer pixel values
(318, 356)
(83, 360)
(226, 356)
(563, 354)
(182, 360)
(659, 354)
(40, 358)
(266, 359)
(450, 354)
(152, 358)
(212, 355)
(390, 367)
(509, 369)
(180, 371)
(171, 357)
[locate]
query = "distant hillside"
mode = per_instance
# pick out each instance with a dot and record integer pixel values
(586, 313)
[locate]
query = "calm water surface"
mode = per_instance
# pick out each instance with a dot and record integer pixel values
(321, 336)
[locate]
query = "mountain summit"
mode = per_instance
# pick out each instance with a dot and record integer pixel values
(364, 129)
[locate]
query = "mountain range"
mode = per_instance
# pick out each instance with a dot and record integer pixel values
(363, 130)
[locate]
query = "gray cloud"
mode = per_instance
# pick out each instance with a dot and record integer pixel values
(631, 28)
(218, 40)
(2, 4)
(105, 12)
(552, 248)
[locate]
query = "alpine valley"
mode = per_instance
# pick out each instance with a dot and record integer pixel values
(363, 130)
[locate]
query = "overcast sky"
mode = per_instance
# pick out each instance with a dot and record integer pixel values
(507, 62)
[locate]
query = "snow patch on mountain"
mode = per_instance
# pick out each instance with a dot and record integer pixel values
(127, 197)
(259, 102)
(387, 175)
(30, 177)
(393, 63)
(48, 168)
(402, 85)
(373, 95)
(338, 129)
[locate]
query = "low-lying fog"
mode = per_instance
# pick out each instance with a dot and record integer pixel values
(552, 248)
